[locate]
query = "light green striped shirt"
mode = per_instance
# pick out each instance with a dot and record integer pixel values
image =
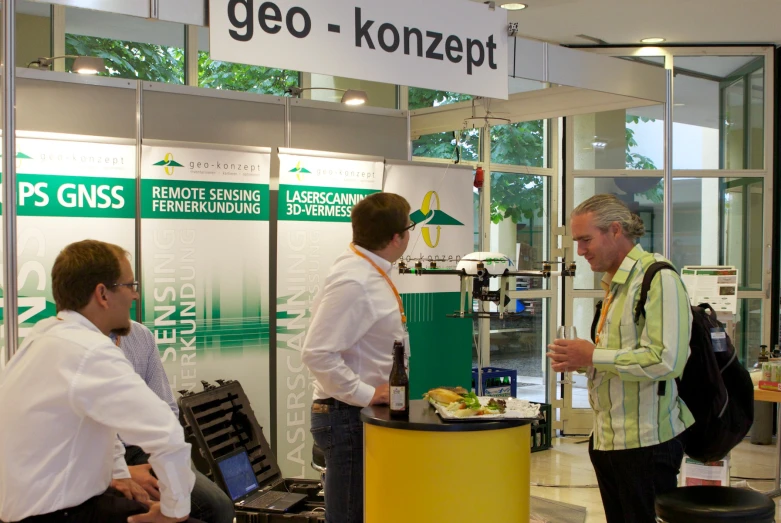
(631, 359)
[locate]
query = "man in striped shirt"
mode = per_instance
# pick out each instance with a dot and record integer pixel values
(636, 445)
(208, 502)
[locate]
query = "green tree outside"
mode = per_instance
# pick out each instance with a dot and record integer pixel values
(157, 63)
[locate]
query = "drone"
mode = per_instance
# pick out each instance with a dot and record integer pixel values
(478, 268)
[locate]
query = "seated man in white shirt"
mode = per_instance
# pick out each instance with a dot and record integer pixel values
(209, 503)
(349, 347)
(66, 395)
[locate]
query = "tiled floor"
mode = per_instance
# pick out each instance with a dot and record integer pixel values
(567, 463)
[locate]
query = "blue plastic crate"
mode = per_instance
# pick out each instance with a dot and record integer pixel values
(492, 389)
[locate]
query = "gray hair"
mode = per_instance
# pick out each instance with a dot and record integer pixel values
(606, 209)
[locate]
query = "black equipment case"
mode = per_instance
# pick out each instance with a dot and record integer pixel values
(219, 420)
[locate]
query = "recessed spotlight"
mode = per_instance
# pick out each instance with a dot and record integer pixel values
(512, 6)
(654, 40)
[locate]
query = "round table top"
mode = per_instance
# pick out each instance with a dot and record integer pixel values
(423, 417)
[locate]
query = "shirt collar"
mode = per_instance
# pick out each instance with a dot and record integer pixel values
(622, 274)
(382, 263)
(75, 317)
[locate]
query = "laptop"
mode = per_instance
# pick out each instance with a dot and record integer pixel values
(242, 485)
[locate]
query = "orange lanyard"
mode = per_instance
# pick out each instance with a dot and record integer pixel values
(603, 315)
(387, 279)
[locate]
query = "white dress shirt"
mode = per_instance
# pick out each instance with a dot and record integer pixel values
(355, 320)
(64, 397)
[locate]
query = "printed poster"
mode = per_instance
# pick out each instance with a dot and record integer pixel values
(441, 204)
(316, 196)
(68, 189)
(204, 237)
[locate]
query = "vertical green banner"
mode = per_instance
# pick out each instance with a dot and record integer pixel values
(442, 208)
(68, 190)
(316, 196)
(205, 237)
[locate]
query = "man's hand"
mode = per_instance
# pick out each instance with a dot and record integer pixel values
(131, 490)
(381, 395)
(154, 516)
(570, 355)
(142, 474)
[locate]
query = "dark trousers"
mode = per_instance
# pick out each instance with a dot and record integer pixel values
(109, 507)
(630, 480)
(207, 501)
(338, 430)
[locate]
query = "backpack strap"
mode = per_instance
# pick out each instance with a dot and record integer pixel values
(650, 272)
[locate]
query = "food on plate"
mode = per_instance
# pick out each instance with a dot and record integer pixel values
(462, 404)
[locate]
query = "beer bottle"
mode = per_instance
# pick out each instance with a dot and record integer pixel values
(399, 384)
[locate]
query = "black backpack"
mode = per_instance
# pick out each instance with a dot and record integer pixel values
(717, 389)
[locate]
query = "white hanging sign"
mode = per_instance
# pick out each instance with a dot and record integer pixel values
(449, 45)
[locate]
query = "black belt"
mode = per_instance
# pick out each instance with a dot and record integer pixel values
(334, 403)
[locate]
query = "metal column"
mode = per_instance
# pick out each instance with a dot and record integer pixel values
(668, 162)
(10, 287)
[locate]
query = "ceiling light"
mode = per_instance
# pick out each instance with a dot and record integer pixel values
(350, 96)
(654, 40)
(354, 97)
(513, 6)
(88, 65)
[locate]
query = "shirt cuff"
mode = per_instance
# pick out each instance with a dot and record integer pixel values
(363, 396)
(120, 469)
(175, 508)
(604, 359)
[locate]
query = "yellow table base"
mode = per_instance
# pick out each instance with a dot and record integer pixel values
(420, 476)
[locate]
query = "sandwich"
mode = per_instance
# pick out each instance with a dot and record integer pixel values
(462, 404)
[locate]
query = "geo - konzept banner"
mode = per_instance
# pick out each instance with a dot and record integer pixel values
(316, 196)
(68, 189)
(205, 237)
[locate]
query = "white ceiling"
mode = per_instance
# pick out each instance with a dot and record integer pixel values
(629, 21)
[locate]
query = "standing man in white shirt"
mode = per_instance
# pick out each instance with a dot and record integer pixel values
(67, 394)
(349, 347)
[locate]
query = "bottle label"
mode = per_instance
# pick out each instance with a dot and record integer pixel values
(398, 398)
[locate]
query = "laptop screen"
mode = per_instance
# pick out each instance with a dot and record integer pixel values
(237, 474)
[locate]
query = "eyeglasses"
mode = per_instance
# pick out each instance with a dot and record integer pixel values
(410, 227)
(134, 285)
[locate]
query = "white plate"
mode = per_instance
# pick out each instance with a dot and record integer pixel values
(446, 415)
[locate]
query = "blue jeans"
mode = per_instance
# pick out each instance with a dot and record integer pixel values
(208, 502)
(630, 480)
(338, 430)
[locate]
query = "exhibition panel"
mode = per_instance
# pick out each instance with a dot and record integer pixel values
(323, 126)
(75, 105)
(180, 112)
(69, 188)
(441, 205)
(316, 194)
(205, 279)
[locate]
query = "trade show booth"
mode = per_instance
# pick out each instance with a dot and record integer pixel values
(234, 206)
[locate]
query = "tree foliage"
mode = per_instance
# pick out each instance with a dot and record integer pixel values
(157, 63)
(131, 59)
(240, 77)
(635, 160)
(515, 197)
